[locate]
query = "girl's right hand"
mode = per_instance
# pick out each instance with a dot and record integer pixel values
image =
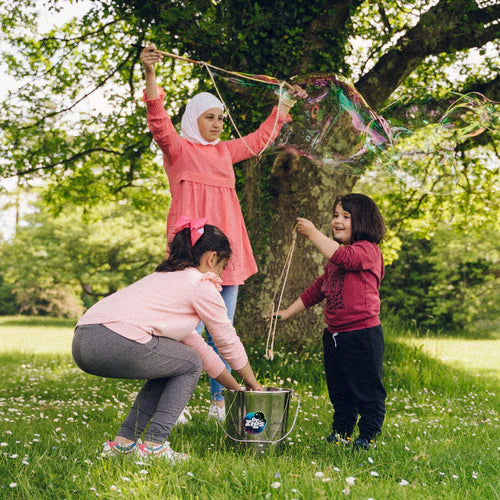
(282, 315)
(305, 227)
(149, 57)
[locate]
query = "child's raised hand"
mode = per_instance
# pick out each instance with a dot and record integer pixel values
(305, 227)
(297, 92)
(149, 56)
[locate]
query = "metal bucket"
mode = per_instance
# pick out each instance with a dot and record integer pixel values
(258, 420)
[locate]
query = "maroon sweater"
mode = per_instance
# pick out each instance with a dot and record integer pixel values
(350, 285)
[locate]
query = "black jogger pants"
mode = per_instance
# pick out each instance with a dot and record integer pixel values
(353, 369)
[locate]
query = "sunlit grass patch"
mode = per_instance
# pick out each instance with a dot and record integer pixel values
(36, 335)
(478, 357)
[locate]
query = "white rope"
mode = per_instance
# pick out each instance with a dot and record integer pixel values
(273, 312)
(270, 138)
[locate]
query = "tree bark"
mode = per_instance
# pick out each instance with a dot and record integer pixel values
(291, 187)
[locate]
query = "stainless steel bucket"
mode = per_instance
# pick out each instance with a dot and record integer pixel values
(258, 419)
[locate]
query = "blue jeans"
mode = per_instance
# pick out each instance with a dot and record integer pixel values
(230, 295)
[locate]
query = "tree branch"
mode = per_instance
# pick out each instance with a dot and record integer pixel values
(71, 159)
(446, 27)
(75, 103)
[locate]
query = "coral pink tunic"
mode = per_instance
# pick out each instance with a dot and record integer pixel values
(202, 181)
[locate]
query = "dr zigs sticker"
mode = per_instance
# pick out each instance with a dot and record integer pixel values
(255, 422)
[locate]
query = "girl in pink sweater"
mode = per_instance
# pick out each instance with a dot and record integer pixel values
(353, 342)
(147, 331)
(201, 176)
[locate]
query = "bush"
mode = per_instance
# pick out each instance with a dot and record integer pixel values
(436, 284)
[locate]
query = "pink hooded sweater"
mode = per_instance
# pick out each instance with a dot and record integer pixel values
(202, 181)
(171, 304)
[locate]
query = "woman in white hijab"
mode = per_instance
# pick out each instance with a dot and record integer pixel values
(199, 104)
(200, 170)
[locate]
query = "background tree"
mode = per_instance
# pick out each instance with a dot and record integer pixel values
(58, 266)
(408, 51)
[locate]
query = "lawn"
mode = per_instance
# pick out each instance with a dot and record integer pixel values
(440, 438)
(480, 358)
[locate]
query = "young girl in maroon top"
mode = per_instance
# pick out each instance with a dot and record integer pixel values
(353, 341)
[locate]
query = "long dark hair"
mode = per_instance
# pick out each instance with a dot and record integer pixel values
(183, 254)
(366, 220)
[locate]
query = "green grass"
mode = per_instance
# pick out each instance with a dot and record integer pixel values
(480, 358)
(27, 334)
(440, 436)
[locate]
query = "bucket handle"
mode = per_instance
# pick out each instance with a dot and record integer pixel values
(266, 441)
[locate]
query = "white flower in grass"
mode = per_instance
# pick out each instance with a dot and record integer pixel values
(4, 444)
(474, 475)
(350, 480)
(326, 479)
(126, 479)
(374, 473)
(143, 471)
(336, 469)
(454, 476)
(370, 459)
(275, 485)
(403, 482)
(13, 485)
(112, 487)
(190, 474)
(319, 474)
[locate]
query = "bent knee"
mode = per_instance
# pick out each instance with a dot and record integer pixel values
(196, 361)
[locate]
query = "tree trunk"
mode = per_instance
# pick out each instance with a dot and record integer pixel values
(273, 195)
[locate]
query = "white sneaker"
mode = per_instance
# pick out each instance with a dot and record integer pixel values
(161, 452)
(113, 449)
(184, 417)
(217, 412)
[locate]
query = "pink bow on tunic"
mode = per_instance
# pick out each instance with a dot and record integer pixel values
(196, 226)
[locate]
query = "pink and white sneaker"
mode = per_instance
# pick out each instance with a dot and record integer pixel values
(162, 451)
(113, 449)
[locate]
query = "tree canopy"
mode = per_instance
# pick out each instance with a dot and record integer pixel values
(77, 121)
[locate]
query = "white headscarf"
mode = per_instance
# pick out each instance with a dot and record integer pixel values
(195, 108)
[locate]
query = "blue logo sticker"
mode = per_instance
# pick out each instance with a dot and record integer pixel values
(255, 422)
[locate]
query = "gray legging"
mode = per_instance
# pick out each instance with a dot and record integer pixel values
(171, 369)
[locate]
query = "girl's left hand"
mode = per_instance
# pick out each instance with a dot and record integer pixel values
(297, 92)
(257, 387)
